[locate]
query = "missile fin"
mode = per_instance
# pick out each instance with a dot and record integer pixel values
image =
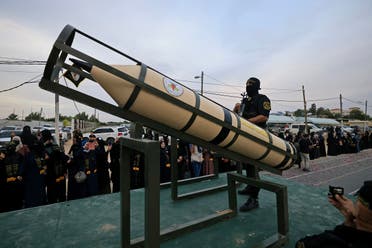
(74, 77)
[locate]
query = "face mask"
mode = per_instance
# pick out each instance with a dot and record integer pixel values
(252, 90)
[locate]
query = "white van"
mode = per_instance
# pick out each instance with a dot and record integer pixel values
(296, 127)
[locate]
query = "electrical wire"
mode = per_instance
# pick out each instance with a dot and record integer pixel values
(76, 107)
(19, 71)
(22, 62)
(2, 57)
(356, 102)
(31, 81)
(320, 100)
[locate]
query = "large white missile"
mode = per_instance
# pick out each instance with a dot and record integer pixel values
(194, 114)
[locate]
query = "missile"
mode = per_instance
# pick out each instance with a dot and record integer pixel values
(180, 108)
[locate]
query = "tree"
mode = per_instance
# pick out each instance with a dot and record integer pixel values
(82, 116)
(337, 116)
(357, 114)
(92, 118)
(34, 116)
(12, 117)
(321, 112)
(312, 109)
(299, 113)
(65, 117)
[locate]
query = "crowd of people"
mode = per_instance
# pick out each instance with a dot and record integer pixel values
(35, 171)
(331, 142)
(24, 180)
(192, 160)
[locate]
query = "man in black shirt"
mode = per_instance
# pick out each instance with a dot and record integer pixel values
(256, 109)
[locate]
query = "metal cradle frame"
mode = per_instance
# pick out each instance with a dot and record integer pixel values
(56, 61)
(152, 234)
(281, 237)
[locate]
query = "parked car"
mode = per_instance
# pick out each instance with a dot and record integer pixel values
(62, 135)
(5, 136)
(296, 127)
(10, 128)
(109, 134)
(67, 131)
(36, 129)
(347, 129)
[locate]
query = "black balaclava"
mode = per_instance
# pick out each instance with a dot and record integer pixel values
(252, 86)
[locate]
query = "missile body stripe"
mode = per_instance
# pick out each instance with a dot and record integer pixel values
(194, 114)
(236, 134)
(137, 89)
(224, 131)
(268, 147)
(286, 157)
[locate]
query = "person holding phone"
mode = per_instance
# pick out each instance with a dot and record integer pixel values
(355, 231)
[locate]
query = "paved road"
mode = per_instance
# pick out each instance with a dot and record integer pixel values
(346, 170)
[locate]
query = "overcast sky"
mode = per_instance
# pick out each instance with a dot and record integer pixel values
(324, 45)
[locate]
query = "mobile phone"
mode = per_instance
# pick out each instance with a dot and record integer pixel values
(333, 190)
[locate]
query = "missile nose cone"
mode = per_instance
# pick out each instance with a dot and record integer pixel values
(82, 64)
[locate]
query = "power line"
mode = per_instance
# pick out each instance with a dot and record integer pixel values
(12, 88)
(224, 95)
(235, 84)
(2, 57)
(20, 71)
(274, 100)
(212, 78)
(198, 82)
(31, 81)
(22, 62)
(188, 81)
(324, 99)
(356, 102)
(76, 107)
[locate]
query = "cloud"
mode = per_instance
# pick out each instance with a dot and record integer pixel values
(19, 41)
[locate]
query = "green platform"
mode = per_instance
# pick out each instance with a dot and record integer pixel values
(94, 221)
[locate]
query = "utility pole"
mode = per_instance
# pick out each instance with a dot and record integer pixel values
(56, 116)
(41, 112)
(201, 81)
(342, 120)
(365, 116)
(305, 111)
(56, 107)
(95, 122)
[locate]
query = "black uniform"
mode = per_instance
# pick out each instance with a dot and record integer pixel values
(56, 169)
(102, 169)
(115, 166)
(76, 189)
(34, 176)
(14, 188)
(252, 107)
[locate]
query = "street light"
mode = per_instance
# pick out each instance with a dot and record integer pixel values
(201, 79)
